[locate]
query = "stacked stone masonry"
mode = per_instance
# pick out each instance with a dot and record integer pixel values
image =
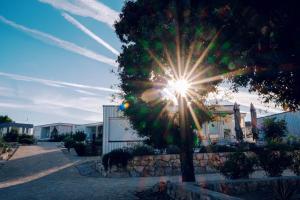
(167, 165)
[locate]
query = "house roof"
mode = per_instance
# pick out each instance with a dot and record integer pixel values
(16, 125)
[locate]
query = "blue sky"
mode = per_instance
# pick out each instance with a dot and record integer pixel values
(56, 58)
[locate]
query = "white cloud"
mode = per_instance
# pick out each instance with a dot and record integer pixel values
(244, 98)
(61, 43)
(56, 83)
(90, 33)
(86, 8)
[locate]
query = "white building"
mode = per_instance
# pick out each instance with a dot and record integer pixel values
(222, 128)
(43, 132)
(118, 133)
(117, 130)
(91, 130)
(292, 120)
(21, 128)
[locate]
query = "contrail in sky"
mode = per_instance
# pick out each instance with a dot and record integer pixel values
(89, 33)
(50, 39)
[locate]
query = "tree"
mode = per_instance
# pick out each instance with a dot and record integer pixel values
(5, 119)
(274, 129)
(269, 39)
(163, 41)
(254, 44)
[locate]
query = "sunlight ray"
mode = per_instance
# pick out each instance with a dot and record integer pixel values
(203, 55)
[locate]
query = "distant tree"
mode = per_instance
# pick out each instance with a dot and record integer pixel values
(5, 119)
(54, 134)
(274, 129)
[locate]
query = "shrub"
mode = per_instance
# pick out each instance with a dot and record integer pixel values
(173, 149)
(26, 139)
(274, 129)
(295, 166)
(12, 136)
(117, 157)
(69, 143)
(79, 136)
(220, 148)
(80, 149)
(274, 162)
(238, 165)
(140, 150)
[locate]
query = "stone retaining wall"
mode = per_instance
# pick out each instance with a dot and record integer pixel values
(165, 165)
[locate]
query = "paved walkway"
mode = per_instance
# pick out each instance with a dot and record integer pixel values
(43, 172)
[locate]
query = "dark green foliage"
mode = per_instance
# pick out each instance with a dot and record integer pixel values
(55, 137)
(69, 142)
(279, 146)
(173, 149)
(12, 136)
(295, 167)
(117, 157)
(5, 119)
(274, 129)
(140, 150)
(283, 190)
(80, 148)
(220, 148)
(26, 139)
(238, 165)
(274, 162)
(79, 136)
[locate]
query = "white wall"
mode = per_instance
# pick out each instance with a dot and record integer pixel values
(117, 130)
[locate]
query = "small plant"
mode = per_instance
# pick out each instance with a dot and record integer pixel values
(274, 162)
(238, 165)
(140, 150)
(295, 166)
(26, 139)
(69, 143)
(283, 191)
(172, 149)
(79, 136)
(80, 149)
(117, 157)
(12, 136)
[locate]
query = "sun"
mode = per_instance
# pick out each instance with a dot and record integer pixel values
(179, 87)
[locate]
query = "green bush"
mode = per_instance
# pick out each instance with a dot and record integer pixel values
(274, 162)
(12, 136)
(80, 149)
(173, 149)
(215, 148)
(274, 129)
(69, 143)
(26, 139)
(79, 136)
(140, 150)
(117, 157)
(238, 165)
(295, 166)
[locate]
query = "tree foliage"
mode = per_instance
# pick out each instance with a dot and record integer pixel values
(253, 44)
(5, 119)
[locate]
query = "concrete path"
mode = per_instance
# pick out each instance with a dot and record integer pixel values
(44, 172)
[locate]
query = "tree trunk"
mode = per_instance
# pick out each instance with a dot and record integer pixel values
(186, 136)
